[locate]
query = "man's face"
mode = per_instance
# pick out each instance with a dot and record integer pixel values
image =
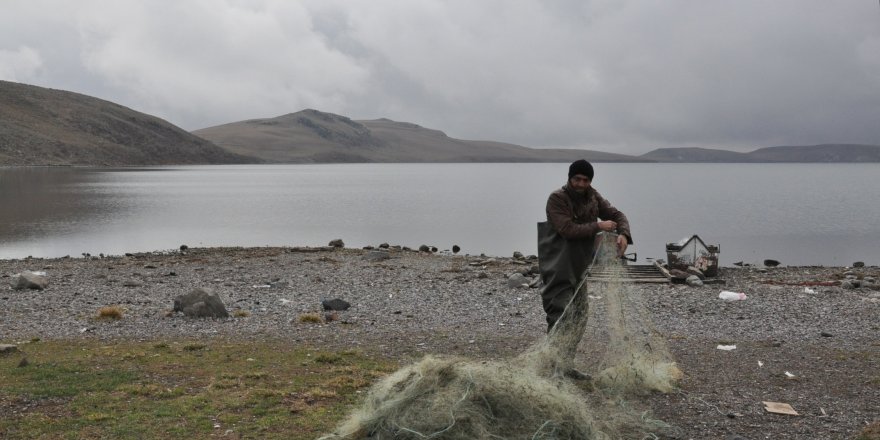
(580, 183)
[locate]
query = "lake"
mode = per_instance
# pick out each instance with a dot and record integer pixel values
(799, 214)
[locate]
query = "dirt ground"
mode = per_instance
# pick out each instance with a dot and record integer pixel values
(800, 337)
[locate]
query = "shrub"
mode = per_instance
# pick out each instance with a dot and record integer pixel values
(110, 312)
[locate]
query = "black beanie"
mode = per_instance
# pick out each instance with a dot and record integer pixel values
(580, 167)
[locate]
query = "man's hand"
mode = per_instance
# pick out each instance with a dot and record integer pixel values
(621, 245)
(607, 225)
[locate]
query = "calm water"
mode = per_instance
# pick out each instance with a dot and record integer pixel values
(800, 214)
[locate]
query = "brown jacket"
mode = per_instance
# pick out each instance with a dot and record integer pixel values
(575, 216)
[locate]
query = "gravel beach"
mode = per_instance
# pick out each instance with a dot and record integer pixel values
(801, 337)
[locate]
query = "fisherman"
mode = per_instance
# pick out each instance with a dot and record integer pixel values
(566, 240)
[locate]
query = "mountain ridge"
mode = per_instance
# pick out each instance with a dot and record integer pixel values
(312, 136)
(42, 126)
(821, 153)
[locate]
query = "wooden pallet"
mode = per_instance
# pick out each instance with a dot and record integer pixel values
(632, 273)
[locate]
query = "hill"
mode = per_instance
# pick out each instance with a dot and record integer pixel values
(311, 136)
(825, 153)
(40, 126)
(695, 155)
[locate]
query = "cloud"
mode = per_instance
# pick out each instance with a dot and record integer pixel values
(24, 62)
(622, 75)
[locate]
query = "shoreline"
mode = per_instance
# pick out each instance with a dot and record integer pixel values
(795, 319)
(398, 248)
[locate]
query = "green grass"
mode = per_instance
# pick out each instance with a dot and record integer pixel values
(179, 389)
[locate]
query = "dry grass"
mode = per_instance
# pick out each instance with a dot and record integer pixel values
(313, 318)
(110, 312)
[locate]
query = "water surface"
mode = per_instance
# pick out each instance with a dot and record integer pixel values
(800, 214)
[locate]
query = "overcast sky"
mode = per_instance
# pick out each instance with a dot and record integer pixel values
(623, 76)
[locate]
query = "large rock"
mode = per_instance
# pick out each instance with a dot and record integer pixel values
(518, 280)
(30, 280)
(335, 304)
(200, 303)
(694, 281)
(336, 243)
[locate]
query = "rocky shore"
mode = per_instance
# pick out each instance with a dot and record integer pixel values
(806, 336)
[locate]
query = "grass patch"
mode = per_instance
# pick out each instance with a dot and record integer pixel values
(180, 389)
(110, 313)
(313, 318)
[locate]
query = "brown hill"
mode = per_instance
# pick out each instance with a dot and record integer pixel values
(311, 136)
(40, 126)
(825, 153)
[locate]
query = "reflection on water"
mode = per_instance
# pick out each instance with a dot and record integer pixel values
(799, 214)
(42, 201)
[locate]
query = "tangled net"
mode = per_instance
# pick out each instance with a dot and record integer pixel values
(528, 397)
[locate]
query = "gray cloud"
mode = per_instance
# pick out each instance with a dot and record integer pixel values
(624, 75)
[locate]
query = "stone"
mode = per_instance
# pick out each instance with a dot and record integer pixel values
(694, 281)
(337, 243)
(696, 272)
(377, 255)
(23, 363)
(200, 303)
(384, 246)
(518, 255)
(517, 280)
(455, 249)
(424, 248)
(433, 248)
(826, 335)
(848, 284)
(537, 283)
(30, 280)
(335, 304)
(859, 264)
(131, 283)
(771, 263)
(8, 348)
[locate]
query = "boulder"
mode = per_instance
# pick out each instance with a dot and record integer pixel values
(8, 348)
(455, 249)
(694, 281)
(30, 280)
(337, 243)
(518, 255)
(859, 264)
(200, 303)
(384, 246)
(424, 248)
(335, 304)
(696, 272)
(517, 280)
(849, 284)
(771, 263)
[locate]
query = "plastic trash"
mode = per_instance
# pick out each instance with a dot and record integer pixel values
(727, 347)
(732, 296)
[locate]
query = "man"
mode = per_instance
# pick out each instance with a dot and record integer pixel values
(575, 214)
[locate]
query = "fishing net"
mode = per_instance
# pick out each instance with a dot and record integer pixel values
(529, 396)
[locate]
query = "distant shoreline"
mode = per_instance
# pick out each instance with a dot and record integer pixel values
(401, 250)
